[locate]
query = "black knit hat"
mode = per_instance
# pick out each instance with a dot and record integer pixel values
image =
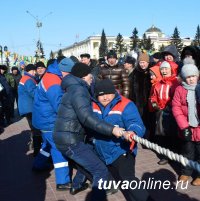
(104, 87)
(3, 67)
(130, 60)
(188, 52)
(14, 68)
(30, 67)
(112, 54)
(157, 55)
(80, 70)
(40, 64)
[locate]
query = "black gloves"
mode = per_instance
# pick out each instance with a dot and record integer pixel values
(187, 134)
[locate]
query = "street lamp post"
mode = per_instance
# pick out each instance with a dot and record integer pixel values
(39, 52)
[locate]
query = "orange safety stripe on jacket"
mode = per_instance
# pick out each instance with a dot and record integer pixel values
(117, 109)
(25, 78)
(50, 79)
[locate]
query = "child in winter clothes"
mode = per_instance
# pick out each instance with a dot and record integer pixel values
(160, 99)
(160, 93)
(185, 112)
(155, 74)
(155, 77)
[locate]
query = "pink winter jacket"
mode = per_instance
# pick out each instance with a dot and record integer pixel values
(180, 112)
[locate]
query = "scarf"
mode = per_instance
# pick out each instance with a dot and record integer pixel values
(192, 109)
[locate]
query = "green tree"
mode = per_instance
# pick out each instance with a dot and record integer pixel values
(176, 40)
(134, 39)
(120, 46)
(161, 48)
(149, 45)
(60, 53)
(103, 48)
(196, 40)
(42, 51)
(142, 42)
(51, 55)
(146, 44)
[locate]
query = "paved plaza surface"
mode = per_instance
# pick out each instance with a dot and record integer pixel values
(19, 183)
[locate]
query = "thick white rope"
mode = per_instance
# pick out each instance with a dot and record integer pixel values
(171, 155)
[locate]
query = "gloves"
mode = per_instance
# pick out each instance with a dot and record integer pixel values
(132, 145)
(155, 106)
(187, 134)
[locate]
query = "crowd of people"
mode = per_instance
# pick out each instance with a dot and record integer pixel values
(82, 114)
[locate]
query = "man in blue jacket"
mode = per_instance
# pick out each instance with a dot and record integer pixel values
(115, 152)
(26, 91)
(74, 116)
(46, 101)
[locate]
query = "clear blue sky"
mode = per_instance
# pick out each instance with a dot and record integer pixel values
(18, 29)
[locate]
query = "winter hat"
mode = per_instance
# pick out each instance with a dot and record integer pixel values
(104, 87)
(85, 55)
(30, 67)
(112, 54)
(66, 65)
(157, 55)
(3, 67)
(189, 70)
(165, 64)
(188, 52)
(130, 60)
(172, 50)
(21, 63)
(14, 68)
(156, 71)
(40, 64)
(80, 70)
(188, 60)
(101, 61)
(74, 59)
(143, 57)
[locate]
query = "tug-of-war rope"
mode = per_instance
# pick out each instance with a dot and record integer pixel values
(171, 155)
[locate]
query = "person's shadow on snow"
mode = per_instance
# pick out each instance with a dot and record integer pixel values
(163, 185)
(18, 181)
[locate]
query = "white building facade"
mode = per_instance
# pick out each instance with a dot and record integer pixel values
(92, 43)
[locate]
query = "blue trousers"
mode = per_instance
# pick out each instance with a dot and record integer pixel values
(83, 155)
(60, 163)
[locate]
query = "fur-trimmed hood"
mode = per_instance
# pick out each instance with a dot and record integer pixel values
(195, 51)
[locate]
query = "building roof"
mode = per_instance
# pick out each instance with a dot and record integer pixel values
(153, 29)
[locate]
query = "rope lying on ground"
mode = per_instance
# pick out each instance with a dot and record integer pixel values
(171, 155)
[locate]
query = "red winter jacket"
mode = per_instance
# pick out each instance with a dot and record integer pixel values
(180, 112)
(162, 92)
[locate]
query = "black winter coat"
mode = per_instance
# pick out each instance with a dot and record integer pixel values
(6, 93)
(141, 86)
(75, 113)
(119, 77)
